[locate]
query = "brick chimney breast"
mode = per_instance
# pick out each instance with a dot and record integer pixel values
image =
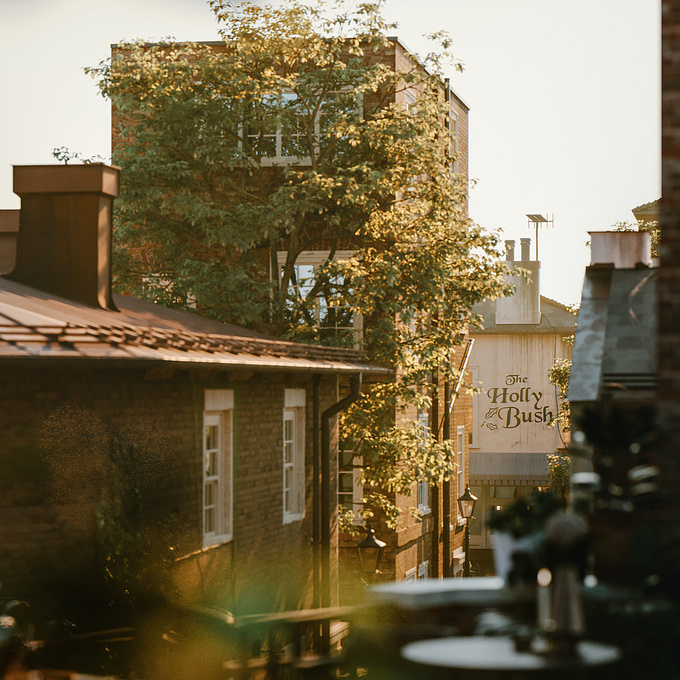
(64, 242)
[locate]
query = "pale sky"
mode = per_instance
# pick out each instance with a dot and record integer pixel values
(564, 101)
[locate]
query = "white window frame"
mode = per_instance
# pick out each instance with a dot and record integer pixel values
(454, 126)
(357, 492)
(460, 465)
(410, 96)
(217, 446)
(278, 158)
(293, 455)
(410, 575)
(317, 258)
(423, 570)
(474, 376)
(458, 559)
(423, 488)
(423, 498)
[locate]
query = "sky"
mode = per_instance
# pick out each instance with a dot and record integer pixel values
(564, 102)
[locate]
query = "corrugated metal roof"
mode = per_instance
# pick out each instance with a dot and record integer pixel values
(34, 324)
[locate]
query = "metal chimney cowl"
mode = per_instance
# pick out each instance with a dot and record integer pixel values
(64, 242)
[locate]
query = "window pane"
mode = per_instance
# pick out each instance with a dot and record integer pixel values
(346, 502)
(210, 493)
(346, 460)
(211, 437)
(346, 482)
(209, 520)
(212, 469)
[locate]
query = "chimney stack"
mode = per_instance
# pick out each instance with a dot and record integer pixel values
(9, 230)
(620, 249)
(64, 243)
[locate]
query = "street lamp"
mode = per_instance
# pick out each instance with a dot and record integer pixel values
(466, 505)
(371, 552)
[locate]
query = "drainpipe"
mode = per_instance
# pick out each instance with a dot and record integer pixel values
(446, 490)
(325, 513)
(434, 505)
(449, 401)
(316, 492)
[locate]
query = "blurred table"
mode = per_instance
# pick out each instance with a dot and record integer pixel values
(497, 656)
(426, 593)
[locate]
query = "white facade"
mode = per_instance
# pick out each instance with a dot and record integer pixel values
(522, 335)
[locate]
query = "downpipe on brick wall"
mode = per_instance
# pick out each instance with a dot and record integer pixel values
(325, 512)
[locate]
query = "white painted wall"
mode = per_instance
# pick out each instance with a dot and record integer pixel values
(516, 399)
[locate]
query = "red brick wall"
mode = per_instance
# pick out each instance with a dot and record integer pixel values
(669, 281)
(265, 562)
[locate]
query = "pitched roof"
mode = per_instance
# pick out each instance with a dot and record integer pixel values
(555, 318)
(34, 324)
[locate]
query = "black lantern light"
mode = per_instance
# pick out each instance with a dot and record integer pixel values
(466, 503)
(370, 553)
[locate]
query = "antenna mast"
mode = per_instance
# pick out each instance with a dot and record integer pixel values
(538, 221)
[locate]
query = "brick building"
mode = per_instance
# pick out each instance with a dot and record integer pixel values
(668, 288)
(222, 426)
(416, 549)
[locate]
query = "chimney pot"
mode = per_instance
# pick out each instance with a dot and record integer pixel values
(509, 250)
(525, 244)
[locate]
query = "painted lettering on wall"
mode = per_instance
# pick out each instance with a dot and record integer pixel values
(515, 404)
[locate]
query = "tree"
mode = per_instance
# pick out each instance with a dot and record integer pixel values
(291, 137)
(559, 462)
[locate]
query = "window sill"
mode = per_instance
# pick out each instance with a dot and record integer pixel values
(215, 542)
(289, 519)
(424, 510)
(269, 161)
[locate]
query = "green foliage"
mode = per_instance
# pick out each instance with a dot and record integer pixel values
(65, 156)
(559, 463)
(558, 473)
(97, 477)
(558, 375)
(294, 136)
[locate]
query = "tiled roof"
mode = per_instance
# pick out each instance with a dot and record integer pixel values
(34, 324)
(555, 318)
(646, 206)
